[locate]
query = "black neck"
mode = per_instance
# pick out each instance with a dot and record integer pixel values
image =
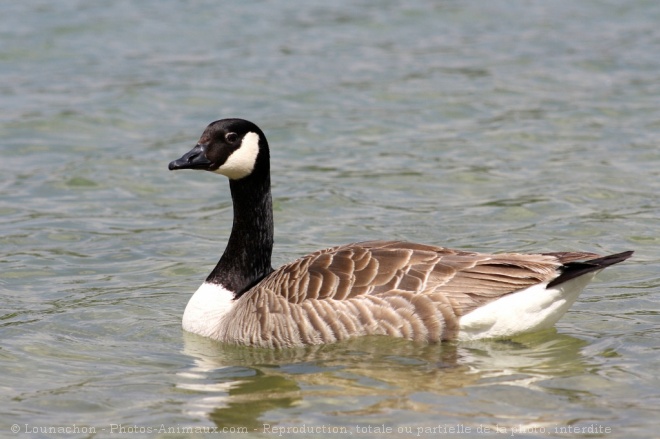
(246, 259)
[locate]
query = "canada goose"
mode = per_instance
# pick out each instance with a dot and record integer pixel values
(402, 289)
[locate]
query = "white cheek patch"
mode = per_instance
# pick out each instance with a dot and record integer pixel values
(241, 162)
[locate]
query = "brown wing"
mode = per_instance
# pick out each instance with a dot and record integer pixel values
(381, 268)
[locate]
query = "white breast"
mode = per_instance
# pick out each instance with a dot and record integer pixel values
(204, 312)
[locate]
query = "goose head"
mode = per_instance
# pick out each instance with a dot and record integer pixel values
(238, 150)
(235, 148)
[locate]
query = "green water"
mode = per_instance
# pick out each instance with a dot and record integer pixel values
(498, 126)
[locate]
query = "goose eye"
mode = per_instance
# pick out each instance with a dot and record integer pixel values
(231, 137)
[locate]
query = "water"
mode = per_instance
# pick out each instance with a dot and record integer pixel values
(522, 126)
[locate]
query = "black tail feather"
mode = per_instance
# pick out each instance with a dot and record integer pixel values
(571, 270)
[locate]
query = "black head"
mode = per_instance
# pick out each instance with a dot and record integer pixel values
(232, 147)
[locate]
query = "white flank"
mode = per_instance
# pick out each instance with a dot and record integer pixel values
(529, 310)
(241, 162)
(203, 314)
